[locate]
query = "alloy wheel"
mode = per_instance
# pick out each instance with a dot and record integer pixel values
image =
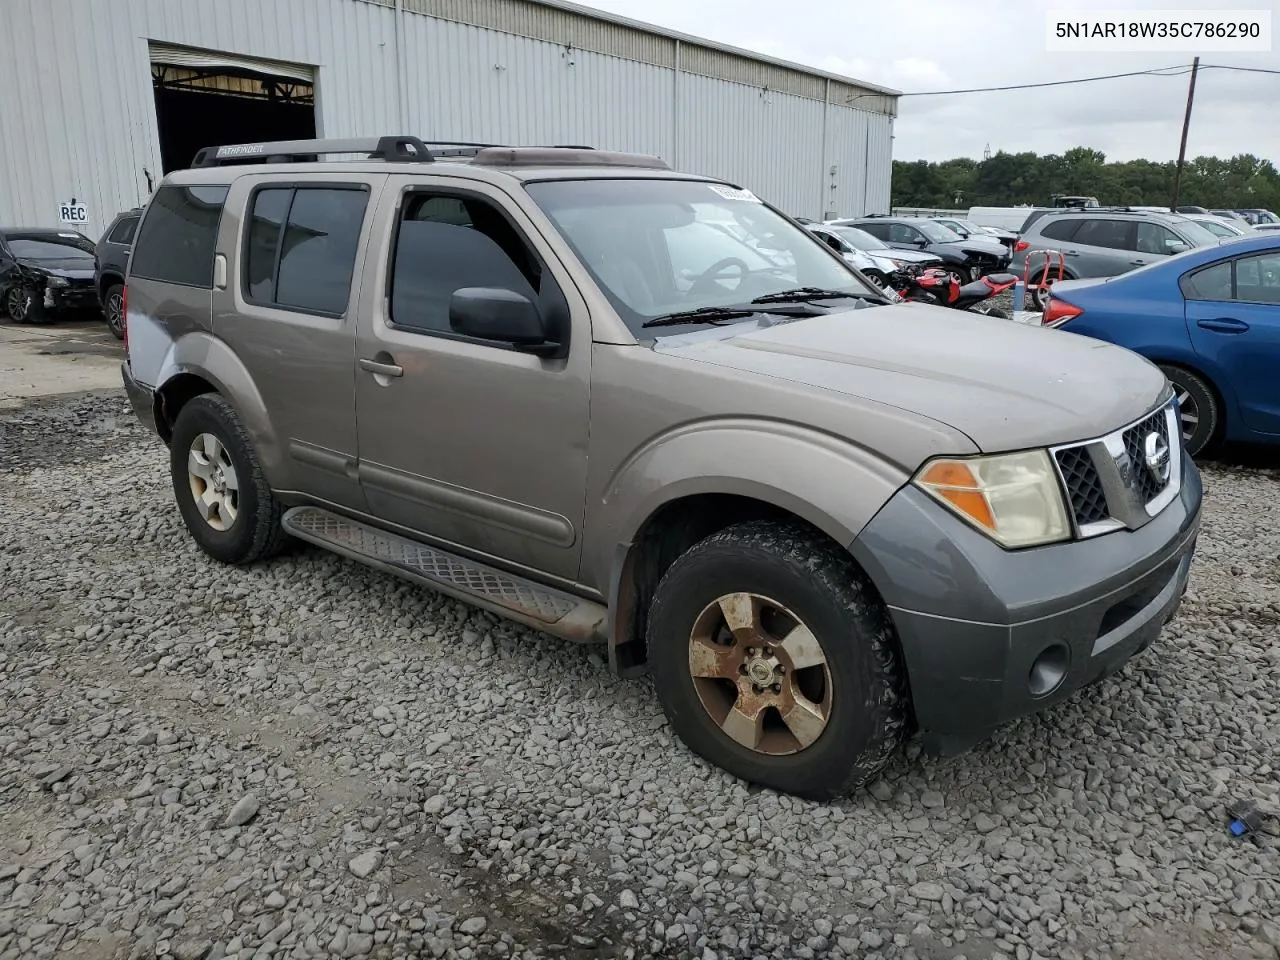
(18, 304)
(115, 313)
(213, 481)
(760, 674)
(1188, 414)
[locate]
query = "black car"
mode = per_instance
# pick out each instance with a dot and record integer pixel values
(969, 258)
(111, 262)
(45, 273)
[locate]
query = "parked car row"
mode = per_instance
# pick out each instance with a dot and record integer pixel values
(48, 273)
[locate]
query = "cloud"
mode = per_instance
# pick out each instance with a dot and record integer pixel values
(933, 45)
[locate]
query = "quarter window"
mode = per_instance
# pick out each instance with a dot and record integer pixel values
(178, 234)
(1113, 234)
(445, 243)
(302, 244)
(124, 230)
(1211, 283)
(1063, 229)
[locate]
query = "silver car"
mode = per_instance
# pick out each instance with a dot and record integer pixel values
(1103, 242)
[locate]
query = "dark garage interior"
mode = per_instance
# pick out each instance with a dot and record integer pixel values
(200, 108)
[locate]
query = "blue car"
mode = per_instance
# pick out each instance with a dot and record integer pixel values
(1209, 318)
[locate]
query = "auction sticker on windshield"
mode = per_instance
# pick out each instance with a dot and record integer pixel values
(733, 193)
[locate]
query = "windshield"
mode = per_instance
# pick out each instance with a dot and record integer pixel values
(936, 231)
(49, 246)
(660, 247)
(859, 238)
(1197, 234)
(1218, 229)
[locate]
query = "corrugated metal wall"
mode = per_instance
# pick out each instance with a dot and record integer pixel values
(77, 118)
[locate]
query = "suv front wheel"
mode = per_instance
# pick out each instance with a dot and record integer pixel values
(774, 659)
(222, 493)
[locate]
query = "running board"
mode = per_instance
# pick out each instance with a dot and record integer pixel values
(515, 598)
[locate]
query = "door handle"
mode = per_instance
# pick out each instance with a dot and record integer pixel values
(1223, 325)
(382, 369)
(1071, 253)
(1138, 263)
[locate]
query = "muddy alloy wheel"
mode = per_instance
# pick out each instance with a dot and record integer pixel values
(760, 674)
(774, 659)
(212, 478)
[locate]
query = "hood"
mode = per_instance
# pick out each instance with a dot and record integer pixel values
(1008, 386)
(906, 256)
(73, 268)
(989, 246)
(863, 261)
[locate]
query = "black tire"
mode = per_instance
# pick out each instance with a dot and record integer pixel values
(255, 531)
(113, 310)
(878, 279)
(1199, 401)
(868, 712)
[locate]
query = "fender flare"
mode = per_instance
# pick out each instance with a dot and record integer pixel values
(202, 355)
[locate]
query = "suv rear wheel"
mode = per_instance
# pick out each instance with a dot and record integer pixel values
(113, 310)
(223, 496)
(774, 659)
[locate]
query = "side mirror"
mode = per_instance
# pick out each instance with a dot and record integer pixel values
(1176, 246)
(920, 242)
(488, 313)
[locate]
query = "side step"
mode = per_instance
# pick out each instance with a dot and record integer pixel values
(537, 606)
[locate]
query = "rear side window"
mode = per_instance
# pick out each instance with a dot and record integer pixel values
(177, 237)
(1105, 233)
(124, 230)
(1063, 229)
(301, 247)
(1209, 283)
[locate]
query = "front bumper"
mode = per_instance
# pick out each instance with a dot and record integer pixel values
(71, 298)
(990, 634)
(141, 397)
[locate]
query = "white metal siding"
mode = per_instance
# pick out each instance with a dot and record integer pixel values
(77, 118)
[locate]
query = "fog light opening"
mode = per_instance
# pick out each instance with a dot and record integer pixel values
(1049, 670)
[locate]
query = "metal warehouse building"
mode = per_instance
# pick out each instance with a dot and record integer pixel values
(101, 98)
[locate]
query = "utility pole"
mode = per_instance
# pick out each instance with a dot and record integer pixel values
(1186, 124)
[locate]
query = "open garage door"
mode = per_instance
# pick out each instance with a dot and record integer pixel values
(207, 98)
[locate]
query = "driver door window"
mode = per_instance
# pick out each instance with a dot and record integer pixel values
(1157, 240)
(901, 233)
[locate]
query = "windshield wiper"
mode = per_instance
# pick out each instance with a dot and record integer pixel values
(712, 315)
(800, 294)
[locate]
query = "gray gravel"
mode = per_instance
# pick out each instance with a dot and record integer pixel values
(309, 759)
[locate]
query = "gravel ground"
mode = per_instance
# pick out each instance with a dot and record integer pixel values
(309, 759)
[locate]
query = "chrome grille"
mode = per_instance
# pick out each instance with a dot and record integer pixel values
(1084, 486)
(1147, 484)
(1125, 478)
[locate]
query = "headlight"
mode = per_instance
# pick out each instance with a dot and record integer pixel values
(59, 282)
(1014, 498)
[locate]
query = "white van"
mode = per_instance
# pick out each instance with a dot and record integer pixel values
(1006, 218)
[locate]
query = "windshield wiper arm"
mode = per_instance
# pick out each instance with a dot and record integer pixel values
(712, 315)
(808, 293)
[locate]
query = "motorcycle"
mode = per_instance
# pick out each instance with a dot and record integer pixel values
(936, 286)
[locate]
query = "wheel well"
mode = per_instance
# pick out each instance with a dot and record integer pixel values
(671, 530)
(173, 396)
(1209, 382)
(106, 280)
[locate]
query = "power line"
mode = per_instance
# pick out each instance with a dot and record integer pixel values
(1158, 72)
(1223, 66)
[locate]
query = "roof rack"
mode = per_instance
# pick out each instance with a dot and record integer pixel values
(564, 157)
(401, 149)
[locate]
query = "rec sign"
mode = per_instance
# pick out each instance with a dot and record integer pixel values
(75, 214)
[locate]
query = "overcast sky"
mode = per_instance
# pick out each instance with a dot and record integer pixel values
(921, 45)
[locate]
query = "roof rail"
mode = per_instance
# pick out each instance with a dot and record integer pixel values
(564, 157)
(391, 149)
